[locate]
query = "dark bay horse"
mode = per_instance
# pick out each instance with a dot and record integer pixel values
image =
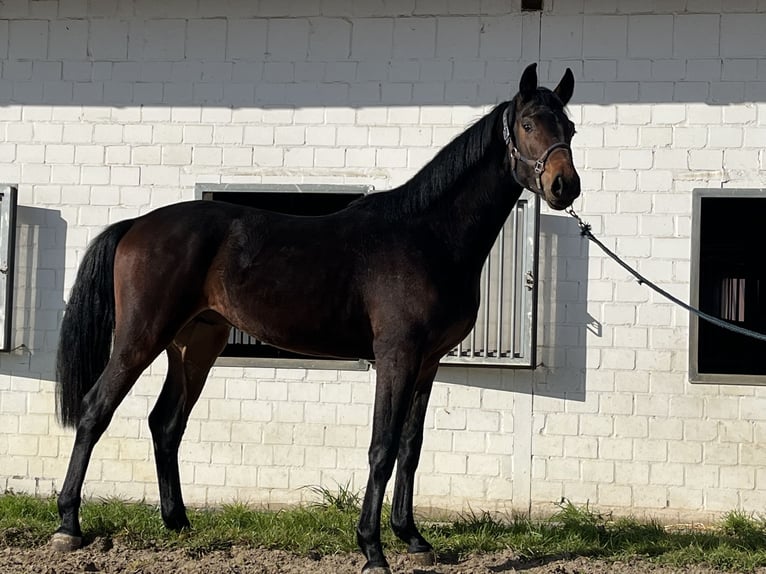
(393, 278)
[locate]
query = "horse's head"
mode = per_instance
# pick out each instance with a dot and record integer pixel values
(537, 132)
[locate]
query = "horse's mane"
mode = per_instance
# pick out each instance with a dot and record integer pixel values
(433, 182)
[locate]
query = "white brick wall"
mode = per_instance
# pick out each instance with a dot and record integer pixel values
(110, 111)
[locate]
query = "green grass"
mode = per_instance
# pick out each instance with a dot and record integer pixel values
(737, 543)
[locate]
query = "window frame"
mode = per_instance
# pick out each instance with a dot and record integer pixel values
(523, 221)
(695, 376)
(8, 209)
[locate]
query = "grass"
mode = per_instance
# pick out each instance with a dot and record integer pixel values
(736, 543)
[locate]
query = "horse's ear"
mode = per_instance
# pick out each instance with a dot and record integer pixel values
(528, 82)
(566, 87)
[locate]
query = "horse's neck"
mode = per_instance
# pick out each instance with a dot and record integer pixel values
(483, 202)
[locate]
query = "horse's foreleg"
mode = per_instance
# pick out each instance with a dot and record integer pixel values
(397, 371)
(402, 515)
(190, 357)
(98, 407)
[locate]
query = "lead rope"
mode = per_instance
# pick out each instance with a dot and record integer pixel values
(585, 231)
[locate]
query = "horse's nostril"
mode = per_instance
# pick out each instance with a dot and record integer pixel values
(557, 187)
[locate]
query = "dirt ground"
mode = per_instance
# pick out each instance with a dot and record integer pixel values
(102, 557)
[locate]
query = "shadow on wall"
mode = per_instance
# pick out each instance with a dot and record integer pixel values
(369, 54)
(39, 291)
(563, 322)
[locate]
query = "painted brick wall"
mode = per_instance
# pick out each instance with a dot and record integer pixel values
(110, 109)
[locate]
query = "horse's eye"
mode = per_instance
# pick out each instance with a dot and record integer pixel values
(527, 127)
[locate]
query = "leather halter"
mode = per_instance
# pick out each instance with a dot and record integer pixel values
(515, 155)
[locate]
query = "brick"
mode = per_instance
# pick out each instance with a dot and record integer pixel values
(650, 36)
(483, 465)
(142, 155)
(668, 113)
(650, 450)
(206, 39)
(581, 448)
(457, 37)
(28, 39)
(655, 136)
(739, 159)
(739, 70)
(692, 137)
(737, 477)
(23, 445)
(289, 135)
(339, 436)
(604, 35)
(501, 37)
(740, 114)
(164, 39)
(329, 39)
(650, 497)
(329, 157)
(68, 39)
(565, 34)
(454, 419)
(614, 495)
(696, 36)
(124, 175)
(469, 442)
(631, 472)
(741, 35)
(451, 463)
(726, 137)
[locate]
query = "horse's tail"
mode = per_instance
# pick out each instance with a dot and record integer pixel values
(85, 341)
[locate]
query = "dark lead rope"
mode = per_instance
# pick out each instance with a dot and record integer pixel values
(585, 231)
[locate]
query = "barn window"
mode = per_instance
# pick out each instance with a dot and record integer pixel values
(728, 281)
(505, 328)
(531, 5)
(7, 267)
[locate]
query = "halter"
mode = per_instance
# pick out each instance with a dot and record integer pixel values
(515, 155)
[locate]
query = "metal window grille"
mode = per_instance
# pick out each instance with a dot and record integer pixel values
(732, 297)
(504, 334)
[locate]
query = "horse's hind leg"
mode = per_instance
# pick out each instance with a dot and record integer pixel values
(99, 404)
(190, 357)
(410, 444)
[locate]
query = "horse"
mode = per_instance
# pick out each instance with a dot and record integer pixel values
(392, 278)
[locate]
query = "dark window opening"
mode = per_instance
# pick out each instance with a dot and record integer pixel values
(531, 5)
(731, 284)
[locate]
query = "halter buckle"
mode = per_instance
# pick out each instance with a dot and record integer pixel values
(539, 166)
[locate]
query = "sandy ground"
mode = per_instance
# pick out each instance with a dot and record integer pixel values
(104, 557)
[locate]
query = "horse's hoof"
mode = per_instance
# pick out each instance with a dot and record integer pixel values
(376, 570)
(426, 558)
(62, 542)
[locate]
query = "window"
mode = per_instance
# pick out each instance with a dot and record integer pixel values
(8, 195)
(531, 5)
(729, 282)
(299, 199)
(506, 324)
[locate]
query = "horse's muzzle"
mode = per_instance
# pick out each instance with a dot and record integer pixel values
(563, 190)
